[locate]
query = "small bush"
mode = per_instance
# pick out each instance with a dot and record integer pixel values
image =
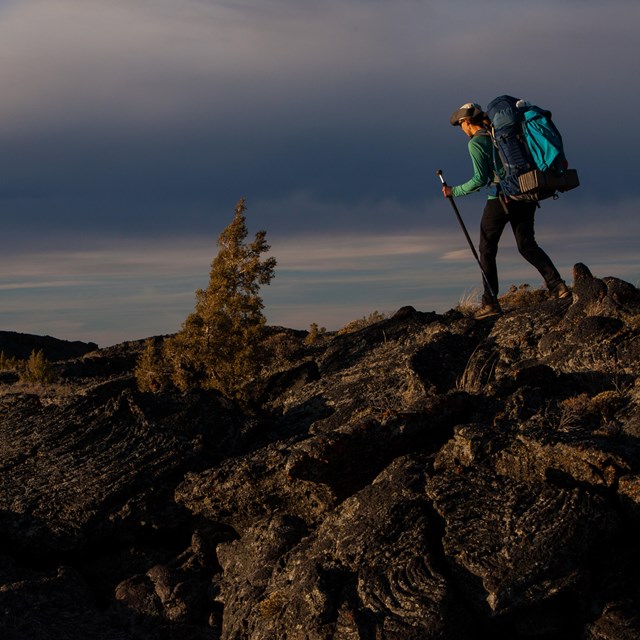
(38, 369)
(577, 411)
(7, 363)
(314, 333)
(151, 371)
(280, 349)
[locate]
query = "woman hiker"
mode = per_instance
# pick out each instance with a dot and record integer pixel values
(519, 214)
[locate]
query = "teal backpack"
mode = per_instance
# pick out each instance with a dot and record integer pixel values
(530, 150)
(543, 139)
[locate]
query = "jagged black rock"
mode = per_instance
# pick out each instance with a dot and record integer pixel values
(427, 476)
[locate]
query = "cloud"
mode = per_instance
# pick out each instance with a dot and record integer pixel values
(141, 64)
(457, 255)
(41, 284)
(134, 63)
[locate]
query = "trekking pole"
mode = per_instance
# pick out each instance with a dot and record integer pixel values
(466, 233)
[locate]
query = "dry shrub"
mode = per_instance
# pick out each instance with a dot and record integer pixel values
(394, 392)
(281, 349)
(392, 385)
(314, 333)
(8, 364)
(577, 411)
(592, 412)
(151, 372)
(37, 369)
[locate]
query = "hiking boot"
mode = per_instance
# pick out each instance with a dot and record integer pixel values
(492, 310)
(561, 292)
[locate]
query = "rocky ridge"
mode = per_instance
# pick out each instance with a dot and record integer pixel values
(21, 345)
(427, 476)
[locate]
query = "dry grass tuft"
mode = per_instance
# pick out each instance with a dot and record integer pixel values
(523, 297)
(479, 371)
(469, 302)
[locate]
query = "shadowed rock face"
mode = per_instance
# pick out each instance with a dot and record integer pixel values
(428, 476)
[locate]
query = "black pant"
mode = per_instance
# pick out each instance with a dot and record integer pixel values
(521, 216)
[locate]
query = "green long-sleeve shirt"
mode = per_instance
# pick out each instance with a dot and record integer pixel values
(481, 152)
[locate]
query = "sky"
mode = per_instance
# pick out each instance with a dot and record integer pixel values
(129, 129)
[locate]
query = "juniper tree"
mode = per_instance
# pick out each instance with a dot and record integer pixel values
(219, 345)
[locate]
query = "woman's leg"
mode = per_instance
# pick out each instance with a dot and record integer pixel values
(521, 217)
(492, 225)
